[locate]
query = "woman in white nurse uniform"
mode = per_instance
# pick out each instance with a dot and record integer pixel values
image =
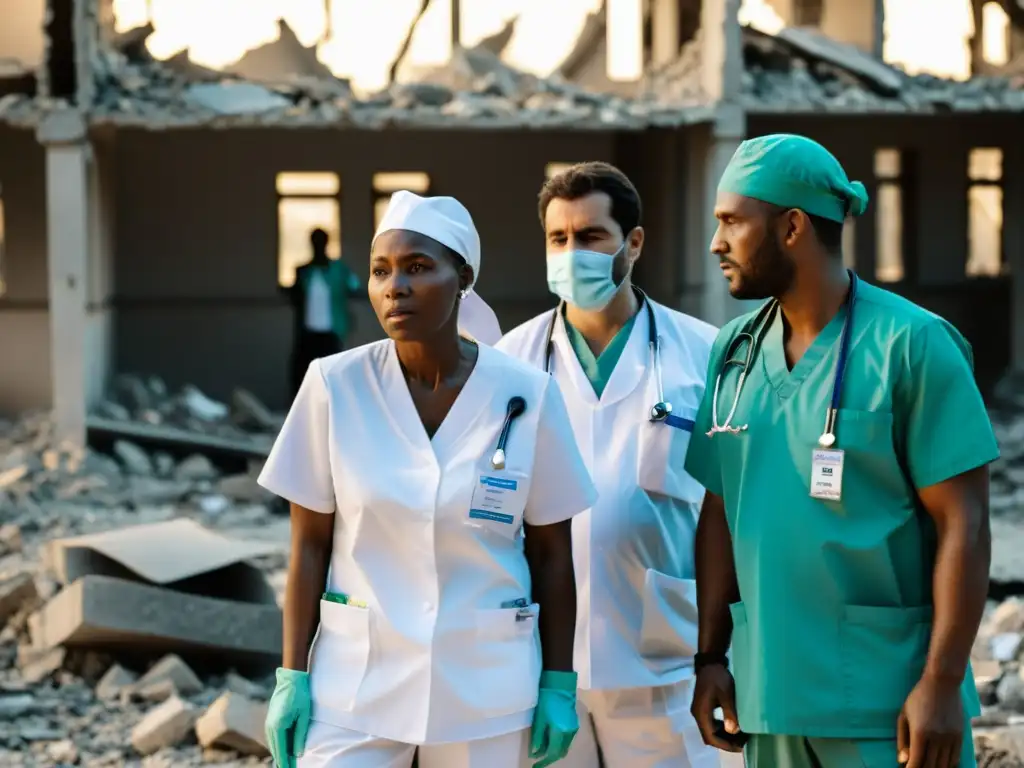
(430, 591)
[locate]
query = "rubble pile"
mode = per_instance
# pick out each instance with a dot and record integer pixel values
(801, 70)
(117, 575)
(474, 89)
(246, 421)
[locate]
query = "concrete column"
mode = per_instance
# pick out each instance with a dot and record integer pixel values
(1013, 243)
(64, 136)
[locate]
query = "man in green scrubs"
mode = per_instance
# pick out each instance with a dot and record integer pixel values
(844, 555)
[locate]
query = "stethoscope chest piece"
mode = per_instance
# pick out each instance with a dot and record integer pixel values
(660, 411)
(516, 406)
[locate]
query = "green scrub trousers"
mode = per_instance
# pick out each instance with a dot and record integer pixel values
(768, 751)
(833, 625)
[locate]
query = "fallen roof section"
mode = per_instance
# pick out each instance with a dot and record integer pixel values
(475, 90)
(799, 70)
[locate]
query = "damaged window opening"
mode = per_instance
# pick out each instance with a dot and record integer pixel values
(889, 262)
(386, 183)
(985, 213)
(3, 247)
(306, 201)
(624, 40)
(995, 34)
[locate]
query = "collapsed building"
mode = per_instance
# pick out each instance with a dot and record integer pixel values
(149, 209)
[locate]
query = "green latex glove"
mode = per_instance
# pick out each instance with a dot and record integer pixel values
(288, 717)
(555, 721)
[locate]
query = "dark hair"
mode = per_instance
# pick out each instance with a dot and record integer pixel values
(828, 232)
(586, 178)
(318, 238)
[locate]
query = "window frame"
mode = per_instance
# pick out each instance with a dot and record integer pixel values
(335, 197)
(1000, 184)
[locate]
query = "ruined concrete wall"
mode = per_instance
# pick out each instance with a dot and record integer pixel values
(939, 147)
(196, 242)
(24, 320)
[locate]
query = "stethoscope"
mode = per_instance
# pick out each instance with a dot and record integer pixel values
(753, 335)
(516, 407)
(661, 410)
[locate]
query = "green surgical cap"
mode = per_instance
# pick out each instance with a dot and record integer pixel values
(794, 172)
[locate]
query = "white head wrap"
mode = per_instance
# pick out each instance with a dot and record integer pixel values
(447, 221)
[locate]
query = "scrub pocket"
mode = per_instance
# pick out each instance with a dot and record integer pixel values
(340, 655)
(883, 656)
(503, 666)
(668, 629)
(661, 456)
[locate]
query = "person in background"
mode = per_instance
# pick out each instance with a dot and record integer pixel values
(843, 547)
(636, 630)
(320, 298)
(430, 599)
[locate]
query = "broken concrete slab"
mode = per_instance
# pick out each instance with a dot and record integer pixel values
(234, 722)
(15, 592)
(166, 725)
(176, 553)
(176, 438)
(238, 98)
(105, 612)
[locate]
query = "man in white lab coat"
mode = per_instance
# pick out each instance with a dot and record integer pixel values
(636, 631)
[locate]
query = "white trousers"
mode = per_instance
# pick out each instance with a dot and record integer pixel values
(330, 747)
(639, 728)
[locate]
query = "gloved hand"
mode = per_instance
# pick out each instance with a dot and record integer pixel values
(288, 717)
(555, 721)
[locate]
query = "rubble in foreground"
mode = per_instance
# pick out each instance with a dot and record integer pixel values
(79, 706)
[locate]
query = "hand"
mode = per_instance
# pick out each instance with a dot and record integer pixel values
(555, 721)
(930, 728)
(288, 717)
(713, 688)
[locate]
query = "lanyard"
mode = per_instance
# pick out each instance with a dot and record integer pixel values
(828, 437)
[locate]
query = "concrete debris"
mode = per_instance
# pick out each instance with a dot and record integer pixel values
(801, 70)
(475, 89)
(164, 726)
(116, 680)
(146, 403)
(124, 611)
(234, 722)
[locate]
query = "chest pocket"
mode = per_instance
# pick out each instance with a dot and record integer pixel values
(870, 459)
(661, 455)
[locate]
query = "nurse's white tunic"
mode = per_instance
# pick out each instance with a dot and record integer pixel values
(433, 657)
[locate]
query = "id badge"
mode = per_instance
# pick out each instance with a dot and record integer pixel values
(827, 474)
(498, 501)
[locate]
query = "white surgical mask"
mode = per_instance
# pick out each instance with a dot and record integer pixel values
(583, 278)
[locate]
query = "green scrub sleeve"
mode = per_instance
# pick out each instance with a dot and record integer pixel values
(947, 429)
(702, 453)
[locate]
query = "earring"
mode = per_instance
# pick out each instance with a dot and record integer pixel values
(463, 294)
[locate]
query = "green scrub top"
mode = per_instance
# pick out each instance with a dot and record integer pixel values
(598, 369)
(342, 283)
(834, 622)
